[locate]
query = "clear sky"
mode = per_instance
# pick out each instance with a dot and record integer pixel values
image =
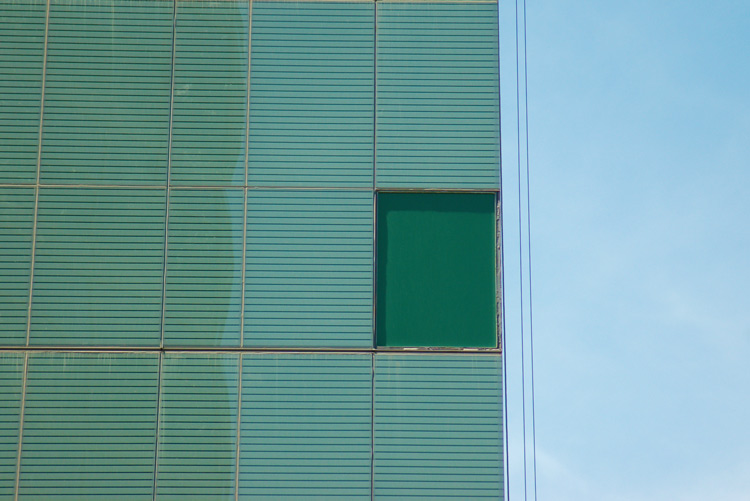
(639, 116)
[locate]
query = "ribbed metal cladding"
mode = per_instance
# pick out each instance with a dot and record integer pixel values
(106, 117)
(309, 269)
(438, 427)
(89, 426)
(99, 266)
(306, 424)
(198, 427)
(204, 268)
(437, 95)
(16, 228)
(280, 255)
(21, 54)
(311, 96)
(210, 92)
(11, 377)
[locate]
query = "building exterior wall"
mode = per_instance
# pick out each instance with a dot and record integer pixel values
(190, 250)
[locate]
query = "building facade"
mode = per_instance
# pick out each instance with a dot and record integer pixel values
(250, 250)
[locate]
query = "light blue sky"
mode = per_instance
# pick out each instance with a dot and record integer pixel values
(639, 117)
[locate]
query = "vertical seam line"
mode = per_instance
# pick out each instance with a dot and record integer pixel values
(159, 383)
(169, 178)
(374, 171)
(21, 418)
(38, 176)
(247, 163)
(244, 255)
(372, 427)
(239, 424)
(375, 95)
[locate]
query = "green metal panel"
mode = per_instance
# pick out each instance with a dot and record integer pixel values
(305, 431)
(16, 229)
(210, 93)
(99, 267)
(21, 54)
(11, 387)
(311, 98)
(438, 427)
(437, 95)
(309, 269)
(198, 427)
(436, 269)
(89, 426)
(204, 268)
(106, 111)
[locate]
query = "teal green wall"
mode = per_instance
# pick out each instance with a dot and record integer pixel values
(204, 268)
(308, 279)
(107, 88)
(89, 426)
(310, 425)
(16, 228)
(437, 95)
(311, 99)
(188, 249)
(21, 61)
(197, 426)
(98, 268)
(306, 426)
(210, 93)
(438, 427)
(12, 366)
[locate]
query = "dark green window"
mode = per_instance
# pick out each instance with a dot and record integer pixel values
(436, 270)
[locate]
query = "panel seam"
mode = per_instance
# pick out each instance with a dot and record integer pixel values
(159, 383)
(239, 424)
(374, 172)
(245, 188)
(169, 177)
(375, 96)
(38, 177)
(372, 427)
(196, 187)
(230, 349)
(21, 418)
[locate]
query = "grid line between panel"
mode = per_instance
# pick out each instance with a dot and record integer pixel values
(239, 426)
(160, 382)
(244, 194)
(20, 424)
(169, 172)
(36, 187)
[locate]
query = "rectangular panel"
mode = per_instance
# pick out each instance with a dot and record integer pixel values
(99, 267)
(311, 94)
(438, 427)
(305, 431)
(210, 93)
(436, 270)
(198, 427)
(11, 387)
(16, 230)
(89, 426)
(106, 115)
(309, 269)
(204, 268)
(437, 95)
(21, 54)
